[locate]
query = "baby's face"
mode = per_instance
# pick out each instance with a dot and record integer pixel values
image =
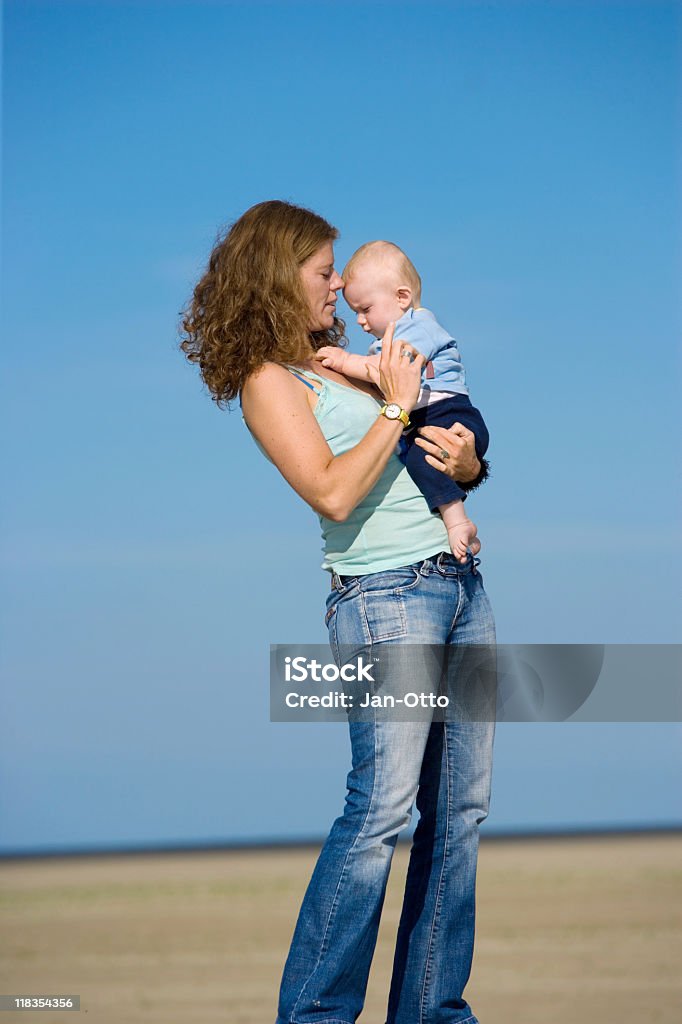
(373, 296)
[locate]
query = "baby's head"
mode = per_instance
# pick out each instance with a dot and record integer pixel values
(380, 285)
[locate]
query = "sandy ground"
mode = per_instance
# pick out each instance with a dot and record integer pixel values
(568, 929)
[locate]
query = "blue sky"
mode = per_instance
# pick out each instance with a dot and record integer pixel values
(526, 156)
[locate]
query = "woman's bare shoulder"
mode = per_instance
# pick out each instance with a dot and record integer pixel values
(270, 393)
(268, 373)
(268, 379)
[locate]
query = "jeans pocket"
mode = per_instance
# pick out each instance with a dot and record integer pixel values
(383, 601)
(385, 614)
(391, 581)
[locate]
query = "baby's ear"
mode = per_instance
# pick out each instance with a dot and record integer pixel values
(404, 297)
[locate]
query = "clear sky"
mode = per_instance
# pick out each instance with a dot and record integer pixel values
(526, 156)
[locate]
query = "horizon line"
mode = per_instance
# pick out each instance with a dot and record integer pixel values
(280, 844)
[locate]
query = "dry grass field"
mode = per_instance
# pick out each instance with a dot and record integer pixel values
(570, 929)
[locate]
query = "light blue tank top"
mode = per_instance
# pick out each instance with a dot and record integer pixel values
(392, 525)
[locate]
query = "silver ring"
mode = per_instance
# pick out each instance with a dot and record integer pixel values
(444, 455)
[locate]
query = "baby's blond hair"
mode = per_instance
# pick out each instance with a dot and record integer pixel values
(392, 258)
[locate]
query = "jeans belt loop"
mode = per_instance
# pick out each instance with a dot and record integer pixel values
(428, 566)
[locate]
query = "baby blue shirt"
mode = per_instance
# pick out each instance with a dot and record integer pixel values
(421, 329)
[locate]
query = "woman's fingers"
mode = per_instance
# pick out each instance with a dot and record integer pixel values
(386, 346)
(449, 438)
(435, 449)
(434, 462)
(385, 358)
(442, 442)
(442, 451)
(398, 348)
(399, 376)
(454, 447)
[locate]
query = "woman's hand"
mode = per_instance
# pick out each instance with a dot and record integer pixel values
(452, 451)
(400, 368)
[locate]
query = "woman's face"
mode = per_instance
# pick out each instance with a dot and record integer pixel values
(320, 284)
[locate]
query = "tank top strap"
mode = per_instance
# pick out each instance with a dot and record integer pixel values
(302, 374)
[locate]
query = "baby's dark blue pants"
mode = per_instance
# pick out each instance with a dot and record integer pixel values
(437, 488)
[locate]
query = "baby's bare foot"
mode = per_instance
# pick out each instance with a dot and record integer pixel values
(462, 538)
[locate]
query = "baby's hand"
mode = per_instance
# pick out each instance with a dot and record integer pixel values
(332, 356)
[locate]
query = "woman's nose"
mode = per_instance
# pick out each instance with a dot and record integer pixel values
(336, 282)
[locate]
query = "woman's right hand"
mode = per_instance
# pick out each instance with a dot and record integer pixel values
(398, 377)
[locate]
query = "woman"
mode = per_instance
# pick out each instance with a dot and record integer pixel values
(264, 307)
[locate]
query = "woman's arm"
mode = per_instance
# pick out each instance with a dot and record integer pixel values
(276, 408)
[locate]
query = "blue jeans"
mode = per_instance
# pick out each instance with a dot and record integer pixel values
(446, 767)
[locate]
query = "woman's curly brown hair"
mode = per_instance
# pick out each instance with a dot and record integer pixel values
(249, 307)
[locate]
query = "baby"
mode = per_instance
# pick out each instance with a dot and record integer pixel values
(382, 285)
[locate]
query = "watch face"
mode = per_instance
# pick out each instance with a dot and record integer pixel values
(392, 411)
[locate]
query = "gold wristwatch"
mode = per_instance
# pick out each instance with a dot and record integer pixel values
(392, 411)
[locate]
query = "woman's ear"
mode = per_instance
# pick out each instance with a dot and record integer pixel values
(404, 297)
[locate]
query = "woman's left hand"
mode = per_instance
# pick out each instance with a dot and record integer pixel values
(451, 450)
